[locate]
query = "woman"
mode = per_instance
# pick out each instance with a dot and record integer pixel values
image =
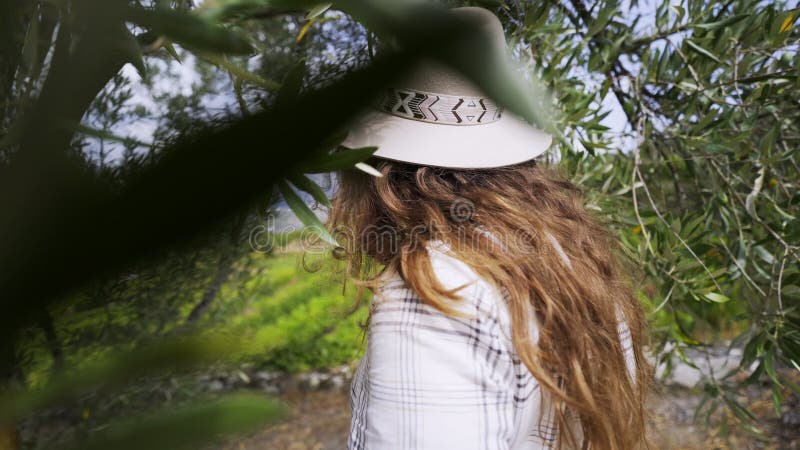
(501, 316)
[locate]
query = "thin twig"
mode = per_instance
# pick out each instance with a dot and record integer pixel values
(780, 282)
(742, 271)
(636, 163)
(686, 245)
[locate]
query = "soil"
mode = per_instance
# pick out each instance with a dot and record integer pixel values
(319, 420)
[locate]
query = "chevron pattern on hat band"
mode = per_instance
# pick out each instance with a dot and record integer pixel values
(439, 108)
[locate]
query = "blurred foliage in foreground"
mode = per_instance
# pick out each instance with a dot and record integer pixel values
(287, 319)
(121, 255)
(72, 221)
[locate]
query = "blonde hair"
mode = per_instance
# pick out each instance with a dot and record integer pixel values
(523, 228)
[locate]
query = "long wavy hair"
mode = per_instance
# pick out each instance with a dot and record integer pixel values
(523, 228)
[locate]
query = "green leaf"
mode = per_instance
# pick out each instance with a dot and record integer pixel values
(30, 47)
(318, 10)
(764, 254)
(589, 146)
(169, 48)
(366, 168)
(340, 160)
(753, 349)
(102, 134)
(239, 72)
(688, 86)
(308, 185)
(791, 291)
(680, 11)
(292, 83)
(191, 30)
(702, 51)
(133, 52)
(769, 366)
(722, 23)
(783, 213)
(304, 213)
(715, 297)
(741, 411)
(603, 17)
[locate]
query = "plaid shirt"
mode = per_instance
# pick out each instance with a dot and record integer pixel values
(431, 381)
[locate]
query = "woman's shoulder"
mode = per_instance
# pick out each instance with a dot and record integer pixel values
(474, 291)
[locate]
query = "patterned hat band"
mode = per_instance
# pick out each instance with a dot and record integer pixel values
(439, 108)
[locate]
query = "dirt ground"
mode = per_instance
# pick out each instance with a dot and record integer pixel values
(319, 420)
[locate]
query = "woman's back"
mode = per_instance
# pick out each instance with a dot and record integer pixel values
(430, 380)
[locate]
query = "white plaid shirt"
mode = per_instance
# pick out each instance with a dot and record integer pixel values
(430, 381)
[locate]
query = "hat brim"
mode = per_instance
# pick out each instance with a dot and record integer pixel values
(509, 140)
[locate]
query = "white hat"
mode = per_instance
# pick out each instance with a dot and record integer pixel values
(436, 117)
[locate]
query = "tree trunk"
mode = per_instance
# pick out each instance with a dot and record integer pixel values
(53, 342)
(224, 269)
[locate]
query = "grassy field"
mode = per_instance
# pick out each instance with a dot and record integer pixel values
(295, 319)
